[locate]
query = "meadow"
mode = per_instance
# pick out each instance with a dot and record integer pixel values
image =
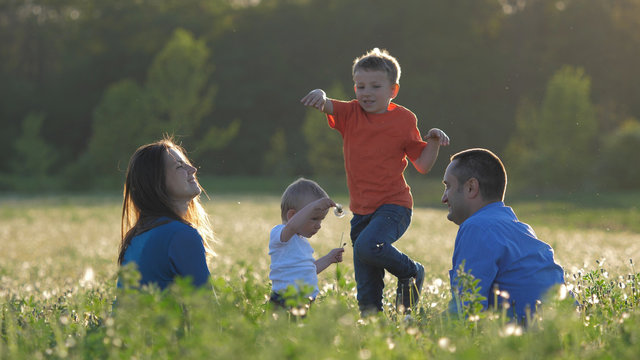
(58, 275)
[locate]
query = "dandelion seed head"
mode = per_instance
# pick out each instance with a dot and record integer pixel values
(364, 354)
(390, 344)
(511, 330)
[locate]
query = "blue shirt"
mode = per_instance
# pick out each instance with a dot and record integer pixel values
(504, 253)
(166, 251)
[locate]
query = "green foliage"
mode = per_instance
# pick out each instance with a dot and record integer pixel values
(57, 292)
(174, 100)
(178, 85)
(34, 157)
(276, 159)
(120, 125)
(468, 299)
(554, 146)
(324, 149)
(615, 167)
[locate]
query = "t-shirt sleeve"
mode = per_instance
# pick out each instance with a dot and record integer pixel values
(187, 255)
(481, 254)
(415, 144)
(341, 110)
(274, 237)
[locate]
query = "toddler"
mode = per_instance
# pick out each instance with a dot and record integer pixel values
(303, 207)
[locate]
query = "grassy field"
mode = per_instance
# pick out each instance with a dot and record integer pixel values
(57, 284)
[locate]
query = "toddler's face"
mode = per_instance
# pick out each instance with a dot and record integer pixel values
(313, 225)
(374, 90)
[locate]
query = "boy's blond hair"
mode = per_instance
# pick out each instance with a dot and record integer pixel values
(380, 60)
(300, 193)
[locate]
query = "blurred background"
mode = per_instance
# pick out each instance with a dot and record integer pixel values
(553, 87)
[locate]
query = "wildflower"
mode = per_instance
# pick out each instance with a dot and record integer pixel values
(365, 354)
(412, 331)
(390, 344)
(511, 330)
(562, 292)
(338, 211)
(445, 344)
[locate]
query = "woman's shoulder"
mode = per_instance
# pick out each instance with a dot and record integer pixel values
(175, 227)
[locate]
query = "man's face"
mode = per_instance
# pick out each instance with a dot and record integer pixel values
(454, 196)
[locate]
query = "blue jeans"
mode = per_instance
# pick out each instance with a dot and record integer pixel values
(372, 237)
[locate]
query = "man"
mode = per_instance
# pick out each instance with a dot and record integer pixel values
(512, 265)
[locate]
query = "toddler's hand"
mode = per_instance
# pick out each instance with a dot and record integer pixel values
(315, 98)
(336, 255)
(436, 134)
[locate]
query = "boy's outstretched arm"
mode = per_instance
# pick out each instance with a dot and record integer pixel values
(316, 208)
(435, 138)
(318, 99)
(334, 256)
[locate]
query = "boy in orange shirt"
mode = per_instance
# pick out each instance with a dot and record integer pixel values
(378, 137)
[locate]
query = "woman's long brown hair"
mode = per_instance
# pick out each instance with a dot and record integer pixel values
(146, 200)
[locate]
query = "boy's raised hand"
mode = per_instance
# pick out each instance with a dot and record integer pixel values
(318, 99)
(438, 135)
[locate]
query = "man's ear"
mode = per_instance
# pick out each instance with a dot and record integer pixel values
(395, 88)
(472, 188)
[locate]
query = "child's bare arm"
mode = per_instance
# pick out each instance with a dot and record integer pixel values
(435, 138)
(334, 256)
(297, 221)
(318, 99)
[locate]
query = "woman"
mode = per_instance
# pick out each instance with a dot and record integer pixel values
(165, 230)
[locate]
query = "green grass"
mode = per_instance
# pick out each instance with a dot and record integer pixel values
(57, 284)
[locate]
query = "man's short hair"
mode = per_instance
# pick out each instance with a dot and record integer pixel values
(300, 193)
(484, 166)
(378, 60)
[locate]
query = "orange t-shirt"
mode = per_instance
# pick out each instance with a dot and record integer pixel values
(376, 147)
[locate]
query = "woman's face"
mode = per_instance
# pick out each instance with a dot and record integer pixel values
(180, 177)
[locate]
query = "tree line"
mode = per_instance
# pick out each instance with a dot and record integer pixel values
(551, 86)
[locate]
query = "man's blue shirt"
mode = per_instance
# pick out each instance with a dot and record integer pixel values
(166, 251)
(504, 253)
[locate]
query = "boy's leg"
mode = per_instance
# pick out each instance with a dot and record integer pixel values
(373, 252)
(369, 279)
(374, 244)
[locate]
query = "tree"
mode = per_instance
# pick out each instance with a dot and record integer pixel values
(617, 167)
(553, 148)
(120, 125)
(324, 145)
(33, 157)
(178, 85)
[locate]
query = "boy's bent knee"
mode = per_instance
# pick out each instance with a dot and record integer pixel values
(368, 251)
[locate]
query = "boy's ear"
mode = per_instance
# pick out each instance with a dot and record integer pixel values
(394, 90)
(290, 213)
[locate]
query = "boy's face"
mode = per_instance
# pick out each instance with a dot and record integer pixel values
(374, 90)
(313, 225)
